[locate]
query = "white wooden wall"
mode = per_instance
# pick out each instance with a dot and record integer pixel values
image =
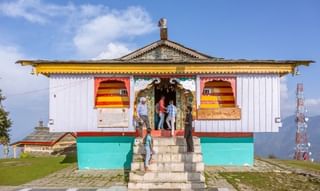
(258, 96)
(71, 105)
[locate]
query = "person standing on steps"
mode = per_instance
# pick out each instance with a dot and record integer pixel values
(188, 129)
(156, 115)
(172, 112)
(142, 114)
(162, 110)
(148, 146)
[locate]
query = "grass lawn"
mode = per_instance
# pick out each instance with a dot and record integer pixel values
(307, 165)
(14, 172)
(270, 181)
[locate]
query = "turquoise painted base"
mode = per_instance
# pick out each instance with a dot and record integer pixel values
(104, 152)
(227, 151)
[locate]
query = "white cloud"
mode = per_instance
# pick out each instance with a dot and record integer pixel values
(284, 88)
(15, 79)
(34, 10)
(95, 30)
(313, 106)
(113, 50)
(100, 33)
(287, 101)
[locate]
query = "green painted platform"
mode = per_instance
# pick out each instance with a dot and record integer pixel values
(104, 152)
(227, 151)
(115, 152)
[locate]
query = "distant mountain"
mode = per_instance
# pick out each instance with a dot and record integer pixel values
(282, 144)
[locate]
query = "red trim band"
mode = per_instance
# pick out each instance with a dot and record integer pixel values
(97, 134)
(164, 134)
(219, 94)
(37, 143)
(222, 134)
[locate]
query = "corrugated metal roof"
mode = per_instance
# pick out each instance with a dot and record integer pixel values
(41, 135)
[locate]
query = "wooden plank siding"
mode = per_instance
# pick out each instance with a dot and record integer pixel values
(72, 105)
(258, 97)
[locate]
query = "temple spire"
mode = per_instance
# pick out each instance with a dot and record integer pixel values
(163, 29)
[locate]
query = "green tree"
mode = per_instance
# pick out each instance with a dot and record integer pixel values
(5, 124)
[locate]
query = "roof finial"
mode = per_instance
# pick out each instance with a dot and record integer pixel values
(163, 29)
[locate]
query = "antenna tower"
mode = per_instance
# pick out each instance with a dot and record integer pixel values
(302, 144)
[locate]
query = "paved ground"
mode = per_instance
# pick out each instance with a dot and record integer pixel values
(112, 188)
(71, 179)
(214, 180)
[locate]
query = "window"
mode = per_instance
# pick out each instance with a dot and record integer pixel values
(206, 91)
(112, 94)
(217, 94)
(123, 92)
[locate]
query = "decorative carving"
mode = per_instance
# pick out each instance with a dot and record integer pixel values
(187, 83)
(219, 113)
(142, 83)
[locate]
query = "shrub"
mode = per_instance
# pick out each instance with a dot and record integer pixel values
(25, 155)
(272, 156)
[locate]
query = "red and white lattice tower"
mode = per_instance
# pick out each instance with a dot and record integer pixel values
(302, 145)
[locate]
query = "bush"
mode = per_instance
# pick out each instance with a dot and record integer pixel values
(272, 156)
(25, 155)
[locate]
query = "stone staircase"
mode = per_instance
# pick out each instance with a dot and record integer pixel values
(172, 168)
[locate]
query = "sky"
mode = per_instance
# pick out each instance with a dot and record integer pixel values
(248, 29)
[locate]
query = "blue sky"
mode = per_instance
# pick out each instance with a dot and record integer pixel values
(38, 29)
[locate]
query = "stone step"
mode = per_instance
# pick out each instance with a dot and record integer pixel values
(166, 186)
(167, 189)
(167, 167)
(165, 177)
(171, 157)
(168, 141)
(165, 149)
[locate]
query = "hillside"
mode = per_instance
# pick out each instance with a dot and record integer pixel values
(282, 144)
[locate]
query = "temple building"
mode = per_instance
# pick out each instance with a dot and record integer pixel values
(41, 142)
(97, 99)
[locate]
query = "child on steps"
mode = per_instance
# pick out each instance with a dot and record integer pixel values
(148, 146)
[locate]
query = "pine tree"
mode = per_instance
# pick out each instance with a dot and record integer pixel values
(5, 124)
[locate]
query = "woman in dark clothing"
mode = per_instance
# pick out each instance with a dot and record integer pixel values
(188, 129)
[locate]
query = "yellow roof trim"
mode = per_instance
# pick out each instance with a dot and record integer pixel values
(228, 68)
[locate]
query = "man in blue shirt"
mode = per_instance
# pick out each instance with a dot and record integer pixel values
(142, 112)
(172, 112)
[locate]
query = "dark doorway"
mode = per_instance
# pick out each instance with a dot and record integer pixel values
(164, 88)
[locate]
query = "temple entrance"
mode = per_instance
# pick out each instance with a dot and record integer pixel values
(168, 90)
(180, 90)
